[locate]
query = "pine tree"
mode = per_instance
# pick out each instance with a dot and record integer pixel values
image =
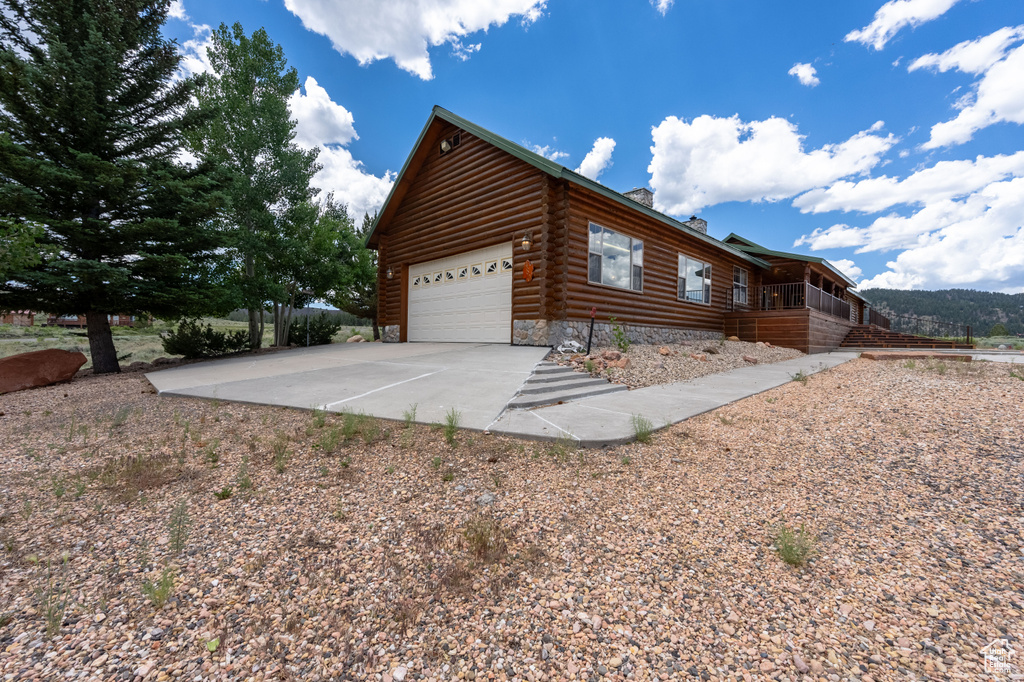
(91, 125)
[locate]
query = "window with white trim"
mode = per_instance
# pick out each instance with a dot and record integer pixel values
(694, 280)
(740, 278)
(615, 260)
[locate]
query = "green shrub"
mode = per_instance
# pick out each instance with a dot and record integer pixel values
(794, 546)
(178, 528)
(192, 340)
(642, 428)
(318, 330)
(160, 591)
(451, 425)
(618, 333)
(54, 594)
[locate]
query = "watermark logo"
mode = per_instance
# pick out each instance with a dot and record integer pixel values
(997, 656)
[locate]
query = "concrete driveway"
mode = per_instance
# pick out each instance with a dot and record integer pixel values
(379, 379)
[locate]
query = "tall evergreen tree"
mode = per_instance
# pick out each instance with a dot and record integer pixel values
(250, 133)
(91, 123)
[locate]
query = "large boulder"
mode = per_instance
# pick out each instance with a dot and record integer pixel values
(38, 368)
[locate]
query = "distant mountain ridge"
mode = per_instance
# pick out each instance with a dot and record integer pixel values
(980, 309)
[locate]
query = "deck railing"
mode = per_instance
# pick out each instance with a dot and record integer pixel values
(878, 319)
(790, 296)
(924, 326)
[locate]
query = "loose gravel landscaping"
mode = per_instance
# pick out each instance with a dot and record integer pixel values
(646, 365)
(165, 539)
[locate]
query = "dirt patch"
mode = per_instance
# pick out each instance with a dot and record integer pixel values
(384, 550)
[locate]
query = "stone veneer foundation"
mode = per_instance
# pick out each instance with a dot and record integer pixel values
(547, 333)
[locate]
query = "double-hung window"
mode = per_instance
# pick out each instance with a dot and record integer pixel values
(739, 285)
(616, 260)
(694, 280)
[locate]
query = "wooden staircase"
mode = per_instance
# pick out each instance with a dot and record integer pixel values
(871, 336)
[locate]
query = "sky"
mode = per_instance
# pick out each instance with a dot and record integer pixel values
(885, 137)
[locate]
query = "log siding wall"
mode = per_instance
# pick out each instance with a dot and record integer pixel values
(477, 196)
(657, 305)
(470, 198)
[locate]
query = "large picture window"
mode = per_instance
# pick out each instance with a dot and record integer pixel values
(615, 259)
(694, 280)
(739, 285)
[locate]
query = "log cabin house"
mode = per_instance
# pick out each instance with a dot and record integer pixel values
(483, 240)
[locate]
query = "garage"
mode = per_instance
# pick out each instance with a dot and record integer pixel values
(463, 298)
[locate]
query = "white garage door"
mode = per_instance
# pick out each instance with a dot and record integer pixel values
(463, 298)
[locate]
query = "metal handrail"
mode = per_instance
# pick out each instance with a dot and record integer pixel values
(930, 328)
(789, 296)
(878, 319)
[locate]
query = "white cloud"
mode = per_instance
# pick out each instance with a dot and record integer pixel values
(975, 241)
(320, 119)
(805, 73)
(194, 58)
(997, 97)
(894, 15)
(177, 10)
(598, 158)
(848, 268)
(944, 180)
(662, 6)
(972, 56)
(404, 31)
(714, 160)
(322, 122)
(548, 152)
(346, 178)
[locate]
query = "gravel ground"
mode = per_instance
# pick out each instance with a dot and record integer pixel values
(652, 365)
(408, 558)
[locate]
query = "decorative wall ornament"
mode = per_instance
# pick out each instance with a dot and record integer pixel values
(527, 271)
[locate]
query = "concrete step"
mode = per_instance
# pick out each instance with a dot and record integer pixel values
(553, 398)
(552, 368)
(556, 376)
(579, 382)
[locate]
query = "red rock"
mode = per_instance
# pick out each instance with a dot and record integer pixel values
(355, 339)
(611, 355)
(733, 338)
(750, 358)
(38, 368)
(664, 350)
(699, 356)
(621, 363)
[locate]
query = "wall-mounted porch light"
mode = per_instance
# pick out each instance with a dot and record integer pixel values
(390, 273)
(527, 241)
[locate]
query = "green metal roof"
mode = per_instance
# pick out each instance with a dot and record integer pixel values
(750, 247)
(558, 171)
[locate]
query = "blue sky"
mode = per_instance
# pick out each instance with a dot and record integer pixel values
(884, 136)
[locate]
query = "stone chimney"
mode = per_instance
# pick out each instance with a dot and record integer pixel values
(695, 223)
(641, 195)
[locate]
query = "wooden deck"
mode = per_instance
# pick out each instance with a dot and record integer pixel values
(806, 330)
